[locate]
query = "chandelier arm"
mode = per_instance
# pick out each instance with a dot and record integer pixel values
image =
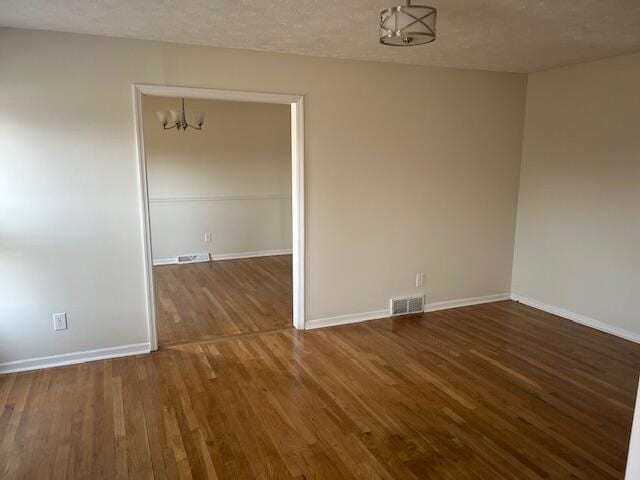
(180, 122)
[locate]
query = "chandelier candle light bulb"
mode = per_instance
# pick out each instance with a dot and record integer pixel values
(199, 118)
(179, 119)
(407, 25)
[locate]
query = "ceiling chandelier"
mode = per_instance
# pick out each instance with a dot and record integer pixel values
(179, 119)
(407, 25)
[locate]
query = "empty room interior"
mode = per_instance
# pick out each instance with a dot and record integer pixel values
(319, 240)
(220, 217)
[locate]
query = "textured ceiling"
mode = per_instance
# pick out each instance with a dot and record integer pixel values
(504, 35)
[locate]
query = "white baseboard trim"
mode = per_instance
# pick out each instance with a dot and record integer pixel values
(378, 314)
(227, 256)
(142, 348)
(73, 358)
(164, 261)
(465, 302)
(262, 253)
(577, 317)
(345, 319)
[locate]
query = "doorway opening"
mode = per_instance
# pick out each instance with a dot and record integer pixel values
(223, 212)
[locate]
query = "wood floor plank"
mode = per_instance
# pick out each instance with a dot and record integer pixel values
(484, 392)
(204, 301)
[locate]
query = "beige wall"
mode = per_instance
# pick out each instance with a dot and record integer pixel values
(578, 233)
(409, 169)
(232, 179)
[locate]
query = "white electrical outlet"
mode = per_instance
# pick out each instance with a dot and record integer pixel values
(60, 321)
(419, 279)
(208, 236)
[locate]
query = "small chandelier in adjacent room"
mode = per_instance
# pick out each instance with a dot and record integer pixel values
(178, 119)
(407, 25)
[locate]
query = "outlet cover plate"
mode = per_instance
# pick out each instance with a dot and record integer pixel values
(60, 321)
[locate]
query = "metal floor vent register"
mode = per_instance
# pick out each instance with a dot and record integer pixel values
(406, 305)
(195, 258)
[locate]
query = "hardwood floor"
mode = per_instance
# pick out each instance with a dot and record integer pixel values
(201, 301)
(490, 391)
